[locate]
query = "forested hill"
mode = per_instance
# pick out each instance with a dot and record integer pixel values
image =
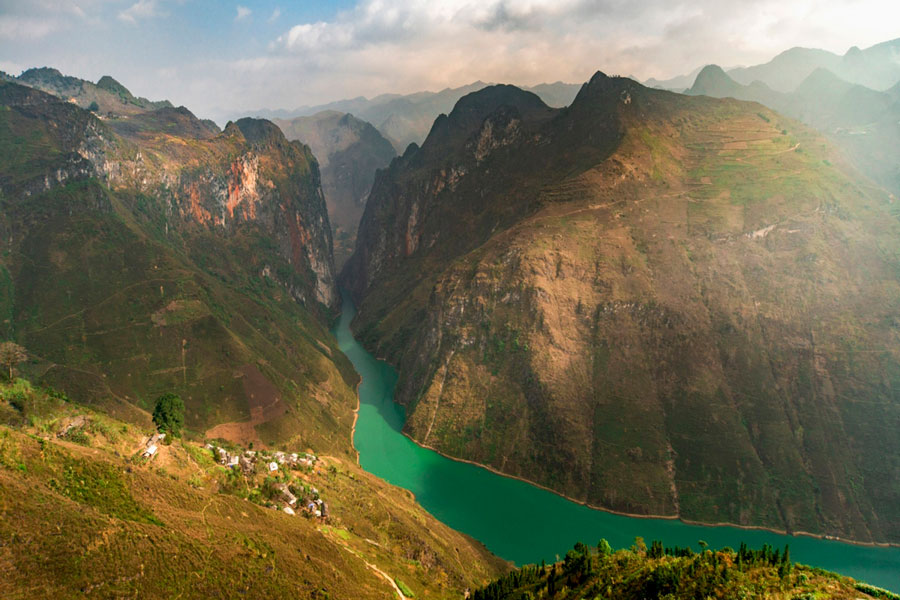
(675, 573)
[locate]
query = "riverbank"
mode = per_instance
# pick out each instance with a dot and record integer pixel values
(819, 536)
(526, 523)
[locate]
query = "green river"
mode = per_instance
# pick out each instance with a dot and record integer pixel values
(526, 524)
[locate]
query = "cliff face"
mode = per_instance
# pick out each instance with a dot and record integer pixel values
(349, 151)
(152, 253)
(249, 177)
(650, 302)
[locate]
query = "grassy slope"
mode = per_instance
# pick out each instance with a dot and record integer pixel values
(89, 519)
(701, 324)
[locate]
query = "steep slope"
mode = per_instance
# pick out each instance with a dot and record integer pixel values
(145, 255)
(654, 303)
(863, 122)
(84, 514)
(349, 151)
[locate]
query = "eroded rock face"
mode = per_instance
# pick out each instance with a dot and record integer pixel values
(640, 301)
(249, 176)
(242, 192)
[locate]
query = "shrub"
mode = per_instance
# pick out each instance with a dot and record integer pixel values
(405, 589)
(78, 436)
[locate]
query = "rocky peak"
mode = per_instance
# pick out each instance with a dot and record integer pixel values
(260, 131)
(41, 74)
(472, 109)
(111, 85)
(232, 130)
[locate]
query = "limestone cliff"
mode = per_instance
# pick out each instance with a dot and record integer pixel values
(150, 252)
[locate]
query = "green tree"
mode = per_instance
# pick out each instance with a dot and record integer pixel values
(168, 415)
(603, 548)
(94, 107)
(11, 354)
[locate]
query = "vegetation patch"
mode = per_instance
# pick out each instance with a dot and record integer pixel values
(100, 485)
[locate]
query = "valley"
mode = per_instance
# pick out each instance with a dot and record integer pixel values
(495, 341)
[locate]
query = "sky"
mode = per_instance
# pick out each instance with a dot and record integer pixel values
(221, 57)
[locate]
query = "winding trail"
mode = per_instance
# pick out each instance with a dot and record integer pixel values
(369, 565)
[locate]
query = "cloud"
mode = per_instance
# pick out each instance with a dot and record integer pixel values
(142, 9)
(32, 20)
(26, 28)
(404, 45)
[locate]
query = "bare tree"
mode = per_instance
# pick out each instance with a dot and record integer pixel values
(11, 354)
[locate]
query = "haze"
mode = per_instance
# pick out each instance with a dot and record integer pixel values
(220, 57)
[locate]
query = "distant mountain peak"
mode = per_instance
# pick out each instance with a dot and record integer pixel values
(491, 97)
(712, 80)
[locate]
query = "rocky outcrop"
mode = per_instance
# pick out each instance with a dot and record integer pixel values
(248, 176)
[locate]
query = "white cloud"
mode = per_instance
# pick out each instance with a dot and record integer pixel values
(407, 45)
(402, 46)
(14, 27)
(36, 19)
(142, 9)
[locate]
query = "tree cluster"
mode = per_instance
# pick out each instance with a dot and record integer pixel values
(168, 414)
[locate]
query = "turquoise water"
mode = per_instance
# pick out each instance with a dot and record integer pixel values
(525, 524)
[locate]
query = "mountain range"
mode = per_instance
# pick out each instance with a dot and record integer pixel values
(406, 119)
(876, 67)
(649, 302)
(654, 303)
(150, 253)
(863, 122)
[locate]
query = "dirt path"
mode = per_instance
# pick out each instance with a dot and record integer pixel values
(369, 565)
(100, 303)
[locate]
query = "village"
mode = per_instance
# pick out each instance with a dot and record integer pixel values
(277, 480)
